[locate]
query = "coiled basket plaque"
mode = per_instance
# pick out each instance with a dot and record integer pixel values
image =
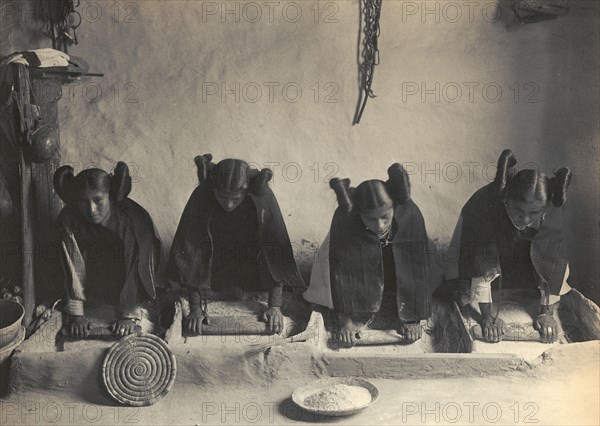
(139, 369)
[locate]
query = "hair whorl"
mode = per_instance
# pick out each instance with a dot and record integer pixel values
(63, 183)
(398, 184)
(341, 188)
(559, 185)
(505, 171)
(204, 165)
(262, 180)
(120, 182)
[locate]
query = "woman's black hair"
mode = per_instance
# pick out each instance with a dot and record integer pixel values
(343, 193)
(506, 169)
(64, 183)
(372, 193)
(68, 186)
(530, 185)
(559, 185)
(205, 165)
(231, 175)
(398, 183)
(120, 182)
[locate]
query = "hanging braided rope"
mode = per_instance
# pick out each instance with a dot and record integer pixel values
(369, 57)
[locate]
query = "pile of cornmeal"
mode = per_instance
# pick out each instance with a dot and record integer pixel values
(339, 397)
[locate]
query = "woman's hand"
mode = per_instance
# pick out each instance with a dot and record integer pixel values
(493, 328)
(274, 318)
(412, 331)
(547, 326)
(124, 327)
(347, 330)
(79, 326)
(193, 322)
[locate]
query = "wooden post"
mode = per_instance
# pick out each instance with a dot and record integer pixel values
(27, 253)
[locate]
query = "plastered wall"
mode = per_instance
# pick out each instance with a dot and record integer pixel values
(275, 83)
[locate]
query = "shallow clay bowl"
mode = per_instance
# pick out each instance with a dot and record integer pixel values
(11, 315)
(300, 394)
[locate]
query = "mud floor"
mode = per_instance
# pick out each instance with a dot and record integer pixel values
(220, 382)
(563, 389)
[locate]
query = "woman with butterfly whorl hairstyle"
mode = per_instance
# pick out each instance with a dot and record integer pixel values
(232, 235)
(377, 247)
(512, 229)
(109, 247)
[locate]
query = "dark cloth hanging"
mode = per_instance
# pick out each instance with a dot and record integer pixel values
(516, 266)
(237, 259)
(259, 229)
(103, 251)
(148, 242)
(389, 269)
(357, 264)
(489, 243)
(120, 257)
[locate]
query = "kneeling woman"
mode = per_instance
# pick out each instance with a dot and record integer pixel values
(511, 230)
(110, 250)
(232, 236)
(377, 248)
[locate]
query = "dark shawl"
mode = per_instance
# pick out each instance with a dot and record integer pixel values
(191, 253)
(356, 264)
(486, 230)
(131, 225)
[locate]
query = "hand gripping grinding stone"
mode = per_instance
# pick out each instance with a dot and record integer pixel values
(139, 369)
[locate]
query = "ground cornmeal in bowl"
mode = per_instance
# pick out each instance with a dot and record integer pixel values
(339, 397)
